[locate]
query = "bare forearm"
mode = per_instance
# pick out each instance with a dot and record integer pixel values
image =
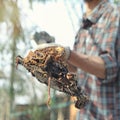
(91, 64)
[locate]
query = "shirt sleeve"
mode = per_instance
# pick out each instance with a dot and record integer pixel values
(108, 46)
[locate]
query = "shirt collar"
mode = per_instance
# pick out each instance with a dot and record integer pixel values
(97, 12)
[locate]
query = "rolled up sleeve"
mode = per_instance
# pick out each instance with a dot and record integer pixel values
(111, 68)
(108, 47)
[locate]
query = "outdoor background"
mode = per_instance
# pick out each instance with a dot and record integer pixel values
(22, 97)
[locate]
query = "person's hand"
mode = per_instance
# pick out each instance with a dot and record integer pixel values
(61, 51)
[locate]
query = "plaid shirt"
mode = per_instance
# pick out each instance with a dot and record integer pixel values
(99, 35)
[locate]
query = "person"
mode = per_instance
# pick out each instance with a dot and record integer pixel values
(96, 60)
(96, 56)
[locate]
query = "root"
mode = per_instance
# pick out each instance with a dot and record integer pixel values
(49, 98)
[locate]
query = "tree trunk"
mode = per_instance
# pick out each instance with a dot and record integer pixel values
(12, 75)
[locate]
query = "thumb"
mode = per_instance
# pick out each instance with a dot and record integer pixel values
(45, 45)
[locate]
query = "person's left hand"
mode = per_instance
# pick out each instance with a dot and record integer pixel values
(61, 51)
